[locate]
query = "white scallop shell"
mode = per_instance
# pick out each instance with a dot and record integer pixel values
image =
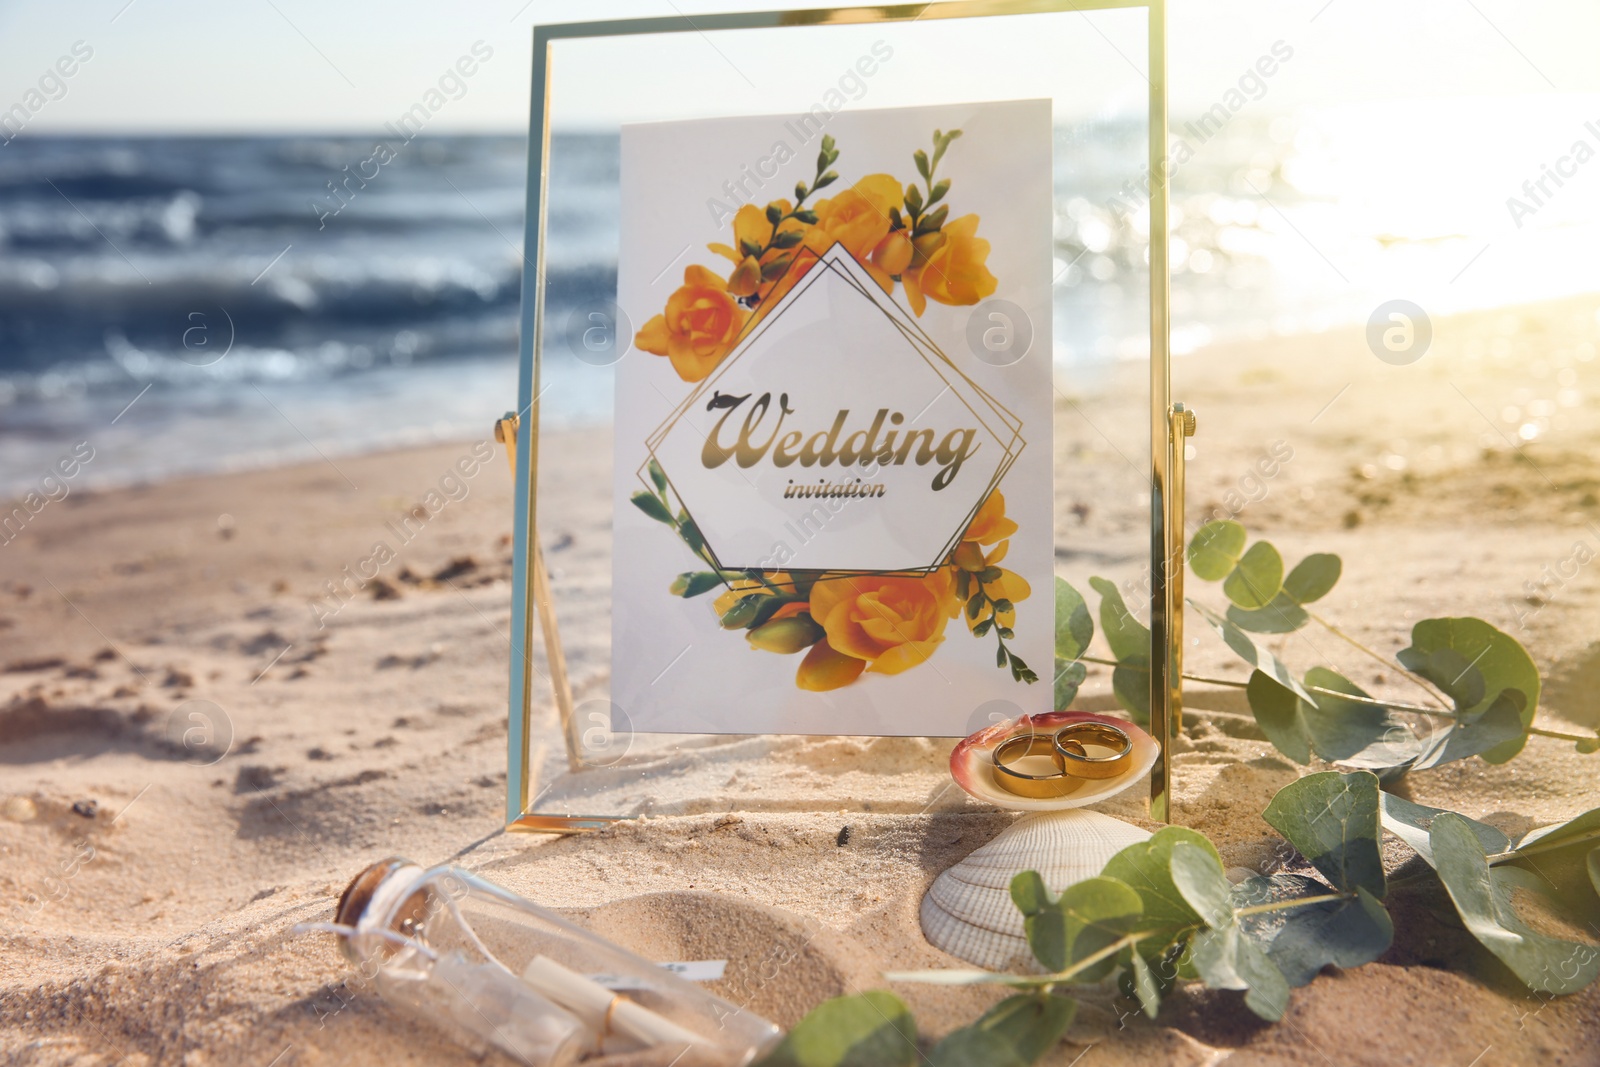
(968, 910)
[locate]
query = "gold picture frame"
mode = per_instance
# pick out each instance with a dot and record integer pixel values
(533, 604)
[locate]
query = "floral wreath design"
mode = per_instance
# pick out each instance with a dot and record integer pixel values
(846, 624)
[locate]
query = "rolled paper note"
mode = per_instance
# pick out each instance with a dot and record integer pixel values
(603, 1010)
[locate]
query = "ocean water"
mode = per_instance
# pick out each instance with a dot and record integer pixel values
(194, 304)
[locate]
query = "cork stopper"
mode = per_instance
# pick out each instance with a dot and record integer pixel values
(357, 898)
(358, 894)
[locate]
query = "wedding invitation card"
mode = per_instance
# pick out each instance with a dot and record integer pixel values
(833, 428)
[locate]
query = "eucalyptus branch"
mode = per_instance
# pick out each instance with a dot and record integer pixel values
(1417, 678)
(1541, 846)
(1230, 683)
(1064, 977)
(1435, 713)
(1025, 981)
(1282, 905)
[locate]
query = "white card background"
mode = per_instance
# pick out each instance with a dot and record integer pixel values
(674, 669)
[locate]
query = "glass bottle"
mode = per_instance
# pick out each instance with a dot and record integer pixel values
(482, 960)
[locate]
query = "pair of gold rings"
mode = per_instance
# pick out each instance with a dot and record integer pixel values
(1066, 749)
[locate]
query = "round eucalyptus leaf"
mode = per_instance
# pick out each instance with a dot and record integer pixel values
(1282, 616)
(1496, 655)
(1013, 1033)
(1074, 624)
(1069, 677)
(1313, 577)
(1412, 822)
(1128, 637)
(1281, 716)
(1354, 732)
(1131, 687)
(1215, 549)
(872, 1029)
(1483, 897)
(1332, 819)
(1147, 867)
(1256, 579)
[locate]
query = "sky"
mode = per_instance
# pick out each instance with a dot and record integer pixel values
(309, 65)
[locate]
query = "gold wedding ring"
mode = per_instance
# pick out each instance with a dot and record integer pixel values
(1037, 786)
(1076, 762)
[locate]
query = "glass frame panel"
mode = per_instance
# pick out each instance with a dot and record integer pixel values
(541, 663)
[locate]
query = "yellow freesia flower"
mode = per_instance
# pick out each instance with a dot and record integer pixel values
(750, 224)
(955, 272)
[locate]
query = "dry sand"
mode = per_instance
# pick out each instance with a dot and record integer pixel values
(149, 898)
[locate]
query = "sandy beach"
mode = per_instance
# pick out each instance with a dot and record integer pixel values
(150, 888)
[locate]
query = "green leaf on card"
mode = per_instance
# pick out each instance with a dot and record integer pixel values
(693, 583)
(652, 506)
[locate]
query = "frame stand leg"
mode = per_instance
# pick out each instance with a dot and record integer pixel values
(505, 431)
(1166, 713)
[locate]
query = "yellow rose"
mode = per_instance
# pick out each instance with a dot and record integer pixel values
(885, 623)
(955, 272)
(701, 324)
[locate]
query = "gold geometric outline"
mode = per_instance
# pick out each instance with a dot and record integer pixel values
(918, 343)
(908, 325)
(890, 309)
(1009, 456)
(841, 264)
(872, 292)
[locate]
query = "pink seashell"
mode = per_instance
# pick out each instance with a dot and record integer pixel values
(971, 764)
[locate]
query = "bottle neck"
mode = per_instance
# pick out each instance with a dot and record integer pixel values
(387, 897)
